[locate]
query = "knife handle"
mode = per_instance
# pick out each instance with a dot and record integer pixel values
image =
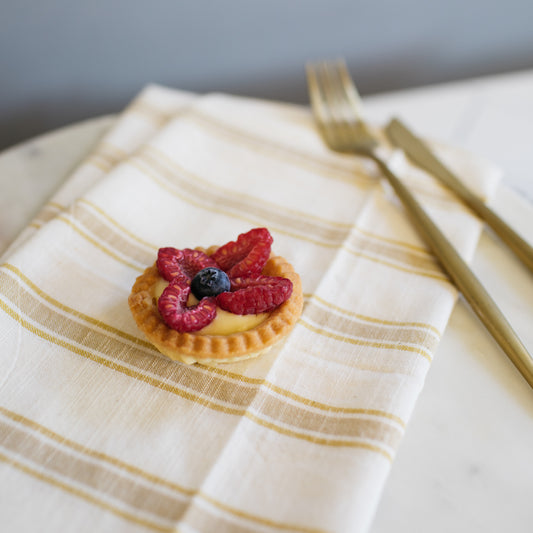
(460, 273)
(522, 249)
(423, 156)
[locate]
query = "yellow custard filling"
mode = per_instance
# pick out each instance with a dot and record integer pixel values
(225, 323)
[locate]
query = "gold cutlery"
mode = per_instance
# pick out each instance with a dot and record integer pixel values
(336, 107)
(422, 155)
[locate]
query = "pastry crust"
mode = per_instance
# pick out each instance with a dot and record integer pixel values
(207, 349)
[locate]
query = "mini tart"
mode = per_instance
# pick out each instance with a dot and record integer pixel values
(208, 349)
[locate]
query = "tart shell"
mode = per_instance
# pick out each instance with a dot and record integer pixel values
(208, 349)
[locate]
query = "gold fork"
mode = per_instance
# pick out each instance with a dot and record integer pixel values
(337, 110)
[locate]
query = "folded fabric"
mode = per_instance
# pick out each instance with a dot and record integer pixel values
(100, 432)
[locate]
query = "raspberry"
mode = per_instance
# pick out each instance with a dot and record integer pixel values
(246, 256)
(182, 264)
(255, 294)
(172, 305)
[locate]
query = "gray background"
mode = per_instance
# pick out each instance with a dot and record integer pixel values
(62, 61)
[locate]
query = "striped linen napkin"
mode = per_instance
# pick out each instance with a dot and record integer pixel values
(99, 432)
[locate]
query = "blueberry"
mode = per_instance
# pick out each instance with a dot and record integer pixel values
(210, 281)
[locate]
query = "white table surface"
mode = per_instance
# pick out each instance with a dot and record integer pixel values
(466, 462)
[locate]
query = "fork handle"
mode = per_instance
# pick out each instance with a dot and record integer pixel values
(463, 277)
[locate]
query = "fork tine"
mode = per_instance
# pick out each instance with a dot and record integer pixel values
(335, 98)
(346, 120)
(329, 104)
(322, 110)
(349, 87)
(352, 100)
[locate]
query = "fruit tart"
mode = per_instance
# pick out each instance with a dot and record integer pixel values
(220, 304)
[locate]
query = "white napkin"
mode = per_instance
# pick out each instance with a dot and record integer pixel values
(99, 432)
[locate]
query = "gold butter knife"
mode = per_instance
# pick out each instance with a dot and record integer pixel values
(422, 155)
